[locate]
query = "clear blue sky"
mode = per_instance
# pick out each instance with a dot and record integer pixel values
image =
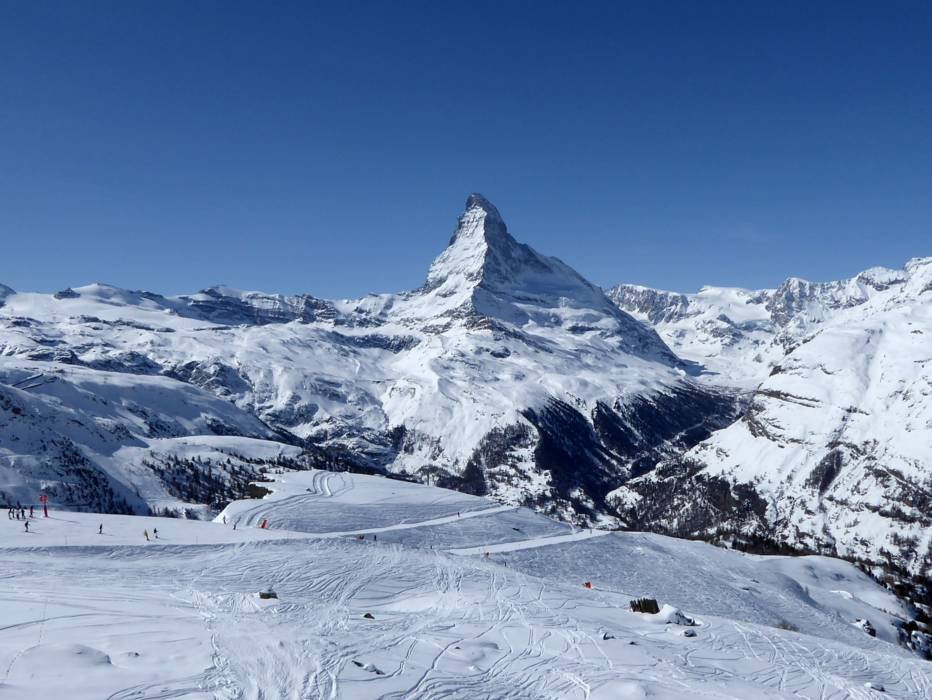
(328, 148)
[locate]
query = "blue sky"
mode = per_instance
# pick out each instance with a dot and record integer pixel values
(328, 147)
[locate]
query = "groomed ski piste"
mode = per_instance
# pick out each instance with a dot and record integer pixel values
(387, 589)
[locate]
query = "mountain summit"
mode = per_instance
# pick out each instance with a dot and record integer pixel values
(482, 253)
(480, 210)
(480, 244)
(484, 273)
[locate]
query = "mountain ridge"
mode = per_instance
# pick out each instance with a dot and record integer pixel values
(833, 450)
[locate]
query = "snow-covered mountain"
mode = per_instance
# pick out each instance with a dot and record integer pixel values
(834, 450)
(506, 373)
(739, 335)
(728, 332)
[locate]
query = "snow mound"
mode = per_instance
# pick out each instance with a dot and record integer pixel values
(674, 616)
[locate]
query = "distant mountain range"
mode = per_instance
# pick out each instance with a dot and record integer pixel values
(834, 450)
(801, 414)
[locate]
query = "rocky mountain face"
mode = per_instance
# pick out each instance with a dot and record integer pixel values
(505, 374)
(833, 452)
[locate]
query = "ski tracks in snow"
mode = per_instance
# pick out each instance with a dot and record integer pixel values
(527, 544)
(323, 484)
(503, 642)
(363, 619)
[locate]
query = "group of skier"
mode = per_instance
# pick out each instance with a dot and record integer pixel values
(18, 512)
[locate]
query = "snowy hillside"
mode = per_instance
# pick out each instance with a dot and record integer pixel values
(834, 451)
(102, 440)
(505, 374)
(405, 603)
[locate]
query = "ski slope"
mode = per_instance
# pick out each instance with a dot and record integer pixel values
(113, 616)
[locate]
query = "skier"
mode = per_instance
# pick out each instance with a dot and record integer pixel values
(224, 520)
(234, 525)
(31, 511)
(27, 526)
(10, 514)
(100, 530)
(146, 534)
(155, 531)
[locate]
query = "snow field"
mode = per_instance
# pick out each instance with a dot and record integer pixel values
(391, 619)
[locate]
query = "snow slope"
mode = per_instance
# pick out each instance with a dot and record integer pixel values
(369, 618)
(394, 511)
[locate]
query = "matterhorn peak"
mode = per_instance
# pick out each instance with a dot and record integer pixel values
(476, 200)
(480, 230)
(480, 222)
(482, 255)
(478, 207)
(486, 272)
